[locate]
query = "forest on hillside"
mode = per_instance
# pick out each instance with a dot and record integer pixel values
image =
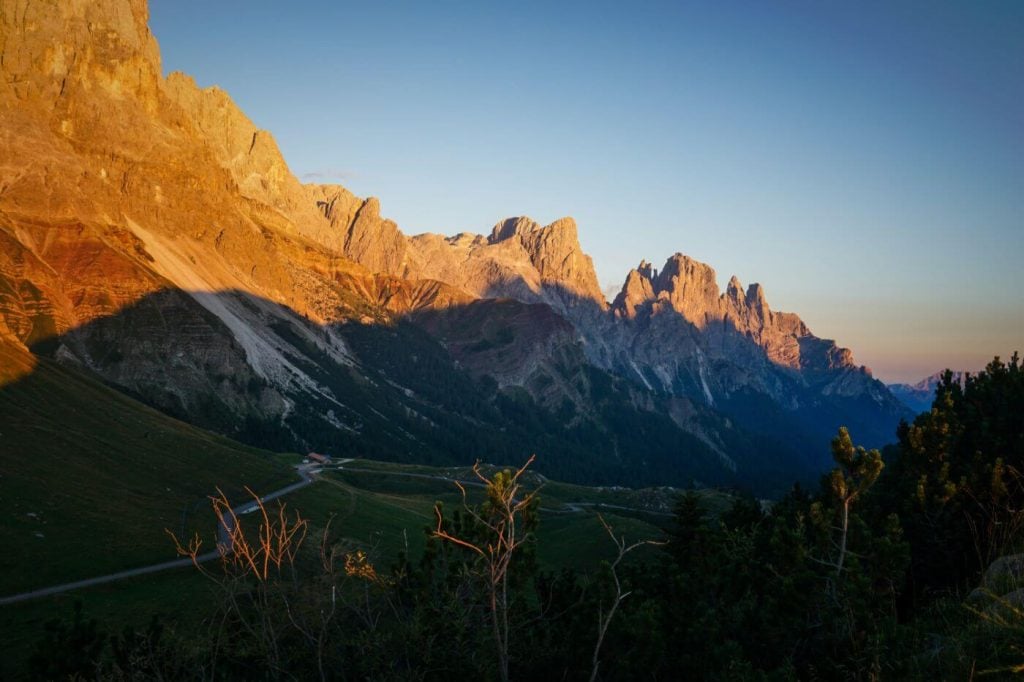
(904, 563)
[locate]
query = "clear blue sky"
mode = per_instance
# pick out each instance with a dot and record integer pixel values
(864, 161)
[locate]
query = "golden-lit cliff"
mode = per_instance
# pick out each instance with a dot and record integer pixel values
(151, 234)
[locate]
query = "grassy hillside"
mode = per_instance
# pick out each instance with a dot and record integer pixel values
(89, 478)
(388, 511)
(383, 514)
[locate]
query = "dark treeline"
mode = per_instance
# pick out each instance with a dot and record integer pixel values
(874, 575)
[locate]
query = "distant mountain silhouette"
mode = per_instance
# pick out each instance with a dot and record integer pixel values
(918, 397)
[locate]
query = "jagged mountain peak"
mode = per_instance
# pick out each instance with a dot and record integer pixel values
(684, 281)
(525, 227)
(520, 259)
(689, 289)
(156, 196)
(635, 292)
(755, 296)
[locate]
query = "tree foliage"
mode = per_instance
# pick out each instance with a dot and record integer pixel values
(957, 479)
(861, 579)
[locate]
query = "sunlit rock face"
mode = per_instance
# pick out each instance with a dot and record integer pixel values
(150, 233)
(153, 235)
(731, 323)
(519, 259)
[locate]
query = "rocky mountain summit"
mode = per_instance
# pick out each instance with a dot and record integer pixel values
(671, 331)
(736, 328)
(690, 289)
(519, 259)
(153, 236)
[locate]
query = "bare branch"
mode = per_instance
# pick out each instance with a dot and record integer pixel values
(605, 619)
(498, 516)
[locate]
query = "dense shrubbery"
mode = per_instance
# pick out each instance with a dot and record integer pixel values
(863, 579)
(958, 478)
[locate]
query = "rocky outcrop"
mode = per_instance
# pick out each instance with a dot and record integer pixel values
(555, 252)
(1001, 592)
(146, 223)
(727, 321)
(250, 155)
(520, 259)
(374, 241)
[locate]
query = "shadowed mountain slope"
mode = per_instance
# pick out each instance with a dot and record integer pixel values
(397, 393)
(153, 237)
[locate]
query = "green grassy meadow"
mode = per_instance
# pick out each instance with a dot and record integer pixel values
(90, 479)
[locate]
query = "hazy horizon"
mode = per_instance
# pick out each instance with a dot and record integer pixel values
(864, 163)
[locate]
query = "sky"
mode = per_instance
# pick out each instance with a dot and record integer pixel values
(863, 161)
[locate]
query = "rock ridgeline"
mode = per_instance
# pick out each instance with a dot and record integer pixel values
(148, 223)
(689, 289)
(520, 259)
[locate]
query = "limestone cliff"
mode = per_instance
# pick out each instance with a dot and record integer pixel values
(520, 259)
(146, 224)
(689, 288)
(150, 233)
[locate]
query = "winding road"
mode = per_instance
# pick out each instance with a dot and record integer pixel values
(223, 535)
(308, 472)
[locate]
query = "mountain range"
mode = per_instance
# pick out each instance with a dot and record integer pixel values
(918, 397)
(152, 236)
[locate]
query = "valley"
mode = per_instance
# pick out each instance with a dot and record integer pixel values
(457, 455)
(176, 257)
(94, 514)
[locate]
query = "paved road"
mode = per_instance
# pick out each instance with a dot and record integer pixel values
(223, 541)
(307, 472)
